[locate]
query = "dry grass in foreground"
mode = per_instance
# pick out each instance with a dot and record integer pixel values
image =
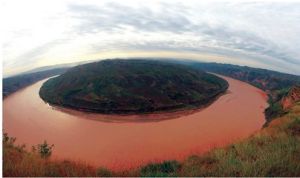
(274, 151)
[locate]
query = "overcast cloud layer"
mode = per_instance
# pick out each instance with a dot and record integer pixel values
(258, 34)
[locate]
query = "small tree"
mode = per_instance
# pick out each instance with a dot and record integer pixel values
(5, 138)
(45, 150)
(8, 140)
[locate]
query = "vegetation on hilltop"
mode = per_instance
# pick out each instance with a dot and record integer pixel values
(132, 86)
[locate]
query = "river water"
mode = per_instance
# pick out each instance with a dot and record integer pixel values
(126, 141)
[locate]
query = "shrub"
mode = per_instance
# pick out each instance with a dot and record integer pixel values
(45, 150)
(8, 140)
(103, 172)
(166, 168)
(294, 127)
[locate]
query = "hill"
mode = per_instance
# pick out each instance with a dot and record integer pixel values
(132, 86)
(264, 79)
(15, 83)
(275, 84)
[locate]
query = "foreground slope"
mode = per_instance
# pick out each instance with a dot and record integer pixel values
(132, 86)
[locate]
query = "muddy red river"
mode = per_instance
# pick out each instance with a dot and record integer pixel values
(123, 142)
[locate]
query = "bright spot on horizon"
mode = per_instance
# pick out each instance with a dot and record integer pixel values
(253, 33)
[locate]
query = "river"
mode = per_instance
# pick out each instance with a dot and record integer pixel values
(126, 141)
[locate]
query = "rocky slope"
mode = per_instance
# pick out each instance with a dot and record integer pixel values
(292, 97)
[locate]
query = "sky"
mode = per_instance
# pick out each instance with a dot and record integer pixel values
(262, 34)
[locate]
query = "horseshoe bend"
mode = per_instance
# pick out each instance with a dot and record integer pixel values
(195, 122)
(120, 145)
(163, 88)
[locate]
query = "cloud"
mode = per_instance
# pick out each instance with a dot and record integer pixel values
(264, 33)
(114, 17)
(247, 42)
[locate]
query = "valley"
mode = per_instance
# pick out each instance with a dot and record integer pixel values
(101, 139)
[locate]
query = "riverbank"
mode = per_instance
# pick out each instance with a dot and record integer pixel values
(272, 151)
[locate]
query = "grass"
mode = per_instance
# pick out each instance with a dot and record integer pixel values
(273, 151)
(18, 162)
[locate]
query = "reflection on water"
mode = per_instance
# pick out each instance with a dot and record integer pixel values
(121, 118)
(121, 145)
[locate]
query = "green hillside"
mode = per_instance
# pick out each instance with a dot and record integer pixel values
(15, 83)
(132, 86)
